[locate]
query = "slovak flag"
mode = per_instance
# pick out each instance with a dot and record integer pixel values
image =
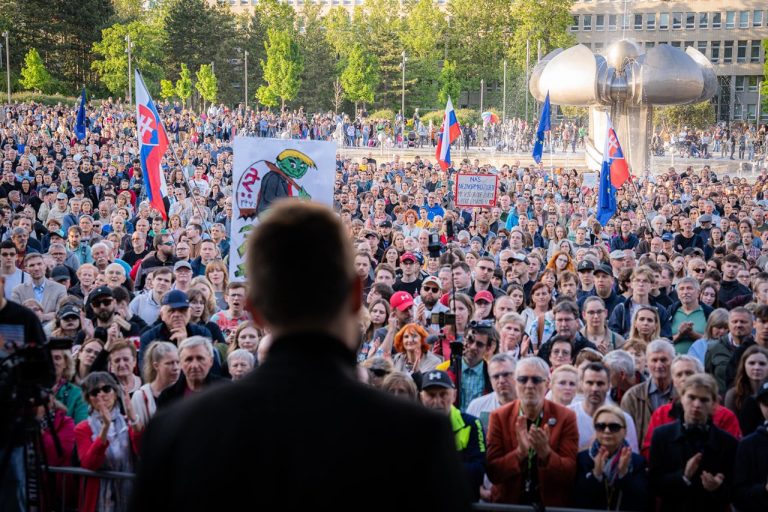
(449, 131)
(613, 174)
(153, 141)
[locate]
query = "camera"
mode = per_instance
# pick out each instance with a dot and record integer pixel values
(434, 246)
(442, 319)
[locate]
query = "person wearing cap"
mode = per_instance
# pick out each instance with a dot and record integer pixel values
(483, 306)
(60, 208)
(692, 460)
(626, 238)
(314, 338)
(49, 201)
(586, 272)
(182, 274)
(411, 280)
(704, 227)
(428, 303)
(46, 291)
(439, 394)
(532, 443)
(750, 476)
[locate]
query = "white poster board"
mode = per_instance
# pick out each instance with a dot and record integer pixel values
(476, 190)
(589, 180)
(268, 170)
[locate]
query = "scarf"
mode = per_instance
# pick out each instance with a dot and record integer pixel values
(114, 494)
(611, 466)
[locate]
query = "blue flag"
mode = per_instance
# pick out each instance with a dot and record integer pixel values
(544, 125)
(80, 122)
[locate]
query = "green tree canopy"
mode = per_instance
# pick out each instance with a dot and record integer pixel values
(184, 84)
(207, 84)
(282, 69)
(147, 54)
(34, 76)
(450, 86)
(698, 116)
(360, 77)
(167, 89)
(543, 20)
(316, 91)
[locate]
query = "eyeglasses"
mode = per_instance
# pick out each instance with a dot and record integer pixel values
(106, 388)
(535, 379)
(595, 312)
(378, 372)
(432, 289)
(471, 341)
(501, 375)
(699, 270)
(100, 303)
(611, 427)
(168, 244)
(8, 254)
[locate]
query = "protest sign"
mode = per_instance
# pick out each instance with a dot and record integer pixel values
(476, 189)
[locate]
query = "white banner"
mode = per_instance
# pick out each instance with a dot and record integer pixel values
(266, 170)
(476, 190)
(589, 180)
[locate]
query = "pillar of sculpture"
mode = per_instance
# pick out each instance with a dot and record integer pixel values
(627, 84)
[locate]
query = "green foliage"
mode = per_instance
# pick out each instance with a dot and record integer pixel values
(184, 85)
(206, 84)
(282, 69)
(574, 112)
(382, 114)
(147, 53)
(34, 76)
(543, 20)
(340, 31)
(167, 89)
(316, 93)
(360, 77)
(127, 11)
(463, 116)
(194, 32)
(45, 99)
(450, 86)
(698, 116)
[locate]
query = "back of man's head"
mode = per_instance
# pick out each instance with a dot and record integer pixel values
(296, 240)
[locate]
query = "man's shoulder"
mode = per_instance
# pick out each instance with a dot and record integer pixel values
(638, 391)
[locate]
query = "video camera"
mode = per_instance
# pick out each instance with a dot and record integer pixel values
(443, 318)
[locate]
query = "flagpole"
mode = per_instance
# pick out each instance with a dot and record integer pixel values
(178, 162)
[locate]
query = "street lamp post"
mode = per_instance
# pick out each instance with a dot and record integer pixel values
(7, 65)
(246, 79)
(128, 48)
(402, 98)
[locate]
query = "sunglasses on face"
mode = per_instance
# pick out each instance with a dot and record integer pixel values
(535, 379)
(100, 303)
(106, 388)
(611, 427)
(432, 289)
(378, 372)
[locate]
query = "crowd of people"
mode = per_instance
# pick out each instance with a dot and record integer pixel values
(628, 360)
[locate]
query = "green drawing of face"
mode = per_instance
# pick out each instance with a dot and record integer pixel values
(293, 167)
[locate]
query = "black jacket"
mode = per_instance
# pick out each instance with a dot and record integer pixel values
(729, 290)
(751, 472)
(294, 429)
(579, 344)
(176, 392)
(671, 448)
(628, 493)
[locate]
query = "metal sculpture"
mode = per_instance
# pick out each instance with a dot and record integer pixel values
(628, 82)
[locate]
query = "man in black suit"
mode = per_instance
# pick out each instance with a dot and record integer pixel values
(300, 432)
(692, 460)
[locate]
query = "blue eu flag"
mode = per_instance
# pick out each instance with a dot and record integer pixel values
(80, 122)
(544, 125)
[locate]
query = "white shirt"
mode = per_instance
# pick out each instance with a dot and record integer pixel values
(482, 407)
(587, 430)
(13, 280)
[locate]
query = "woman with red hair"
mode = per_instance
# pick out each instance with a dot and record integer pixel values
(413, 354)
(560, 262)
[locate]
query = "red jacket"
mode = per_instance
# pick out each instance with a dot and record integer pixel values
(722, 418)
(92, 455)
(503, 466)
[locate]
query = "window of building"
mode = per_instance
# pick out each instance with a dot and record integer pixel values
(738, 110)
(612, 19)
(690, 20)
(741, 51)
(690, 43)
(638, 22)
(649, 45)
(675, 44)
(587, 26)
(751, 111)
(575, 24)
(727, 52)
(625, 21)
(730, 19)
(677, 20)
(703, 20)
(757, 18)
(650, 21)
(744, 19)
(754, 54)
(752, 83)
(717, 19)
(664, 21)
(600, 22)
(739, 85)
(715, 51)
(702, 47)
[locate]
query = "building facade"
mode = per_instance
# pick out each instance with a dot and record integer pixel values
(728, 32)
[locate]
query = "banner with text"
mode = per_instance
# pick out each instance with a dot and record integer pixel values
(476, 189)
(267, 170)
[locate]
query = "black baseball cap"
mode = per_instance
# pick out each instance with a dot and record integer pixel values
(436, 378)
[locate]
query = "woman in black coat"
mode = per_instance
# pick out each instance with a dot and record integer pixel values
(750, 490)
(609, 475)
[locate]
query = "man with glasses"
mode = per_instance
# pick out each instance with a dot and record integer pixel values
(566, 315)
(428, 303)
(501, 370)
(13, 276)
(532, 443)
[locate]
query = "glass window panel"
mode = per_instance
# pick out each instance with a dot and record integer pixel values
(730, 19)
(664, 21)
(744, 19)
(650, 21)
(703, 20)
(677, 20)
(690, 20)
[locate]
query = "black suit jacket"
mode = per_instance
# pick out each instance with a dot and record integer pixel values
(299, 433)
(670, 451)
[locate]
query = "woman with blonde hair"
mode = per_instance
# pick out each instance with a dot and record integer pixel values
(161, 369)
(217, 274)
(646, 325)
(413, 354)
(402, 385)
(201, 283)
(174, 226)
(200, 313)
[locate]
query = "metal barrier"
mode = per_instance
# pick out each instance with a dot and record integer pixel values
(75, 472)
(522, 508)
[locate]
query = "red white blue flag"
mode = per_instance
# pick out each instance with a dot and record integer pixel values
(613, 174)
(449, 132)
(153, 142)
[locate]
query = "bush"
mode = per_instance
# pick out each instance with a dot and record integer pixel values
(382, 114)
(465, 117)
(45, 99)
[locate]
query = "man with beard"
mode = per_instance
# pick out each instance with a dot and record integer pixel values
(162, 257)
(428, 303)
(483, 274)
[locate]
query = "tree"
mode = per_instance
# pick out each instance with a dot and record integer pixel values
(547, 21)
(34, 76)
(184, 85)
(194, 33)
(206, 84)
(319, 61)
(422, 36)
(360, 77)
(450, 86)
(698, 116)
(167, 89)
(338, 95)
(147, 54)
(282, 69)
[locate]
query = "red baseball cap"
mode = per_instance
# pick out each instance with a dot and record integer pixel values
(484, 295)
(401, 301)
(408, 256)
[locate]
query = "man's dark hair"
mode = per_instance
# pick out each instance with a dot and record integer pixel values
(159, 239)
(567, 306)
(278, 264)
(386, 291)
(461, 264)
(8, 244)
(597, 366)
(733, 258)
(761, 313)
(120, 294)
